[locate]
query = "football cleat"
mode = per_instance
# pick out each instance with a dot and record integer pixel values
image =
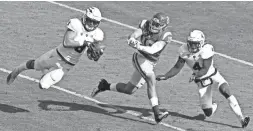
(12, 76)
(161, 116)
(102, 86)
(245, 122)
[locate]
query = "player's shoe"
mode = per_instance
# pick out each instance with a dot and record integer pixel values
(161, 116)
(214, 108)
(12, 76)
(245, 122)
(102, 86)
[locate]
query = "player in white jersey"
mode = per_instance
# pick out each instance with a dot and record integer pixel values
(82, 35)
(153, 39)
(198, 55)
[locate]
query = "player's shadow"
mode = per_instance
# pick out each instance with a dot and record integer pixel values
(200, 117)
(49, 105)
(123, 109)
(148, 112)
(11, 109)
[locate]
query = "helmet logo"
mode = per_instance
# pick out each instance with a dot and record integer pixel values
(156, 20)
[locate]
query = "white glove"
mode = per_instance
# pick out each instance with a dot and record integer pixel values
(132, 42)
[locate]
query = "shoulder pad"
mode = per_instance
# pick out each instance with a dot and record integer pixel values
(75, 25)
(142, 23)
(98, 35)
(207, 51)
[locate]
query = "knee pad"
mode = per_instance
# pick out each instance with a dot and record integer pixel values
(224, 91)
(208, 111)
(30, 64)
(51, 78)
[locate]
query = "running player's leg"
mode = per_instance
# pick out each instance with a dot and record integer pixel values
(55, 74)
(136, 81)
(232, 101)
(205, 97)
(130, 87)
(37, 64)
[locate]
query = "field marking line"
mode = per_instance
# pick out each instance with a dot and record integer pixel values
(131, 27)
(96, 101)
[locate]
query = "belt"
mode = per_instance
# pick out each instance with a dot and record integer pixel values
(64, 58)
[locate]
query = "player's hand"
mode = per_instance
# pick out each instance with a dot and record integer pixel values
(161, 77)
(132, 42)
(192, 78)
(95, 51)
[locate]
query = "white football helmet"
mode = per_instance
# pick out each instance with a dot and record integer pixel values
(195, 41)
(91, 19)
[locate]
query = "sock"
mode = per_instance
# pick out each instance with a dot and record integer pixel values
(119, 87)
(156, 110)
(113, 87)
(25, 66)
(30, 64)
(154, 101)
(235, 107)
(154, 104)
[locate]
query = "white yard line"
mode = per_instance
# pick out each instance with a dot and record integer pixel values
(96, 101)
(131, 27)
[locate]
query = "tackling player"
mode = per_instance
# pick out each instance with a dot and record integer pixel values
(153, 40)
(198, 55)
(82, 35)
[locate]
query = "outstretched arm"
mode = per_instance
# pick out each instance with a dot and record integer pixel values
(156, 47)
(173, 71)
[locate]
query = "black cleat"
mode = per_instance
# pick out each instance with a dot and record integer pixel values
(161, 116)
(102, 86)
(12, 76)
(245, 122)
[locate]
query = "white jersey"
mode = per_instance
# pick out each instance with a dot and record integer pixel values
(72, 55)
(195, 60)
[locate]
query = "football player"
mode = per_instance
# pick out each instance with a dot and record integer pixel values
(153, 40)
(198, 55)
(82, 35)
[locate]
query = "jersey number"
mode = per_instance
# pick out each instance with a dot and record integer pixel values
(79, 49)
(196, 66)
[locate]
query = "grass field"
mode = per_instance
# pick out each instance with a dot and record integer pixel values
(28, 29)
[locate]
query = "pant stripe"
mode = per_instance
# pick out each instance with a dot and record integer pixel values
(137, 66)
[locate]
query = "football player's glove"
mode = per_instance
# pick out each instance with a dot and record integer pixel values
(132, 42)
(192, 78)
(95, 51)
